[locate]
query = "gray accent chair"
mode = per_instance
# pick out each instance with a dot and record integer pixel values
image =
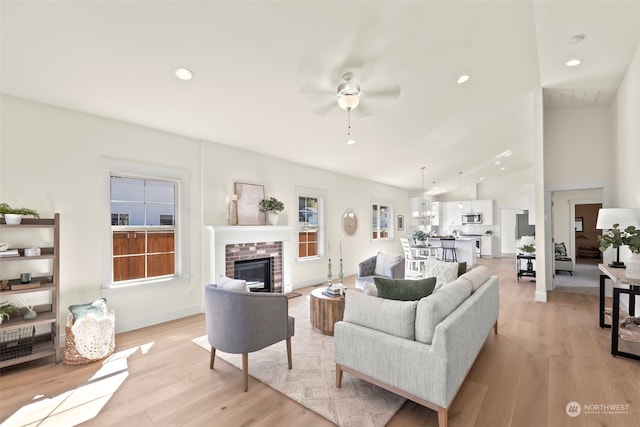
(393, 268)
(243, 322)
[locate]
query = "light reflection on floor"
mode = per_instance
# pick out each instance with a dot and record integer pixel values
(81, 404)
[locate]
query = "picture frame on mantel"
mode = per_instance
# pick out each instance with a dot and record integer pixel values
(249, 198)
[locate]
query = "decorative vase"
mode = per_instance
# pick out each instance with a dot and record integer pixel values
(633, 267)
(12, 219)
(272, 218)
(30, 314)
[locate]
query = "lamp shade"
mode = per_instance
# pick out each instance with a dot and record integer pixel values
(623, 216)
(348, 102)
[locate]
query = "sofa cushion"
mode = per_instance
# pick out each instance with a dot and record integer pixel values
(404, 290)
(384, 263)
(232, 284)
(444, 272)
(477, 277)
(436, 307)
(389, 316)
(560, 249)
(370, 288)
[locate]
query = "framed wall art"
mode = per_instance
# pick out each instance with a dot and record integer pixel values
(249, 198)
(400, 222)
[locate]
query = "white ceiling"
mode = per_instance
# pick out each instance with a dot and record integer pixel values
(254, 63)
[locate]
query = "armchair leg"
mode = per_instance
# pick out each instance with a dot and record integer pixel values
(213, 357)
(338, 376)
(289, 352)
(495, 328)
(245, 370)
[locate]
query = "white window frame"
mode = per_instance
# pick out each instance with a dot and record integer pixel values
(386, 204)
(181, 177)
(321, 195)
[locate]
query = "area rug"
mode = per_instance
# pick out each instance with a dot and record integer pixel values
(312, 380)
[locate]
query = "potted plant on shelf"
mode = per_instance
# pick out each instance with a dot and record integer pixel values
(272, 207)
(528, 249)
(14, 215)
(6, 310)
(630, 236)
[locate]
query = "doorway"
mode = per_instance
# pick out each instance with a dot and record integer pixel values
(574, 214)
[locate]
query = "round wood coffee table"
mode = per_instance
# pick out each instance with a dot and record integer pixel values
(325, 311)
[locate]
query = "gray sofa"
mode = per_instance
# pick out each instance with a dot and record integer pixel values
(380, 265)
(421, 350)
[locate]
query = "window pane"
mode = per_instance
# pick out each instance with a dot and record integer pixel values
(127, 189)
(159, 192)
(127, 213)
(159, 214)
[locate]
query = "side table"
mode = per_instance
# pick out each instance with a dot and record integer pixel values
(325, 311)
(621, 285)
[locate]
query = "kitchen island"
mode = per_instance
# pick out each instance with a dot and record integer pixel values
(465, 249)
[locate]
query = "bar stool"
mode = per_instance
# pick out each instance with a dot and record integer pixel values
(448, 248)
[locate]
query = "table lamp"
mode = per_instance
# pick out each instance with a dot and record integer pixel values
(607, 217)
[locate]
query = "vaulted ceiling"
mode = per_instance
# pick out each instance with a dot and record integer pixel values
(266, 73)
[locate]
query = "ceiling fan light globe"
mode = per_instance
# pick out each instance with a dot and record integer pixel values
(348, 102)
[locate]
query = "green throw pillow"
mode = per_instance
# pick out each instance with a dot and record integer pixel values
(404, 290)
(462, 268)
(98, 307)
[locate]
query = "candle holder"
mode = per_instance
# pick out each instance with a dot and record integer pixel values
(329, 275)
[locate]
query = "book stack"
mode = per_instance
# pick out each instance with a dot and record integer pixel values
(334, 292)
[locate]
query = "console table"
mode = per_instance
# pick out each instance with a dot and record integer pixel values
(621, 285)
(530, 272)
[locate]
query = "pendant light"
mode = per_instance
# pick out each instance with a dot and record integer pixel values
(460, 202)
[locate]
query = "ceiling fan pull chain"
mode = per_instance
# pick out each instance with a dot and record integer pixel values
(349, 121)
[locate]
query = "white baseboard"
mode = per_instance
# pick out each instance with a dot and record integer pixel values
(130, 325)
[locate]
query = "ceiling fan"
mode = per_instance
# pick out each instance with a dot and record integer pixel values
(349, 94)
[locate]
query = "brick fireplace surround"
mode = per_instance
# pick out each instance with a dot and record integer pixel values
(228, 244)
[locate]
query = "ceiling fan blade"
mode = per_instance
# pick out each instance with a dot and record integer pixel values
(326, 109)
(386, 92)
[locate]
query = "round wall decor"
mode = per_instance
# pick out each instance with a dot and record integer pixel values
(349, 222)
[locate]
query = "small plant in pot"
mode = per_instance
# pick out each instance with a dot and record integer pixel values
(14, 215)
(615, 238)
(420, 236)
(272, 207)
(6, 310)
(528, 249)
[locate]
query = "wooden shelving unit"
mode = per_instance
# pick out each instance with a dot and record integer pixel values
(46, 343)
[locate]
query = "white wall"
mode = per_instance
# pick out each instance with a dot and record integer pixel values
(50, 161)
(626, 138)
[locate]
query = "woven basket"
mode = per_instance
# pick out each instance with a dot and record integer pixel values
(71, 354)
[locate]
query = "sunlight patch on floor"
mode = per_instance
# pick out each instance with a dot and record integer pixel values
(81, 404)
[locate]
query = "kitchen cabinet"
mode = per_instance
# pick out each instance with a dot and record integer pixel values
(487, 211)
(452, 214)
(30, 339)
(486, 246)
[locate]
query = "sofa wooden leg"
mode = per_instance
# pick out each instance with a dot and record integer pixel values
(338, 376)
(442, 417)
(495, 328)
(213, 357)
(289, 352)
(245, 370)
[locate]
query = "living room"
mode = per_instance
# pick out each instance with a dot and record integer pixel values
(52, 158)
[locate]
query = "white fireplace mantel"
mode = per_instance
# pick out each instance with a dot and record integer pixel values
(221, 236)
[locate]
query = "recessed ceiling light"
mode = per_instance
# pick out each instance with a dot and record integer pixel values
(351, 142)
(503, 168)
(573, 62)
(184, 73)
(463, 78)
(497, 162)
(577, 39)
(482, 178)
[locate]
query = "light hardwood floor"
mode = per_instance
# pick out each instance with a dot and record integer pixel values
(544, 356)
